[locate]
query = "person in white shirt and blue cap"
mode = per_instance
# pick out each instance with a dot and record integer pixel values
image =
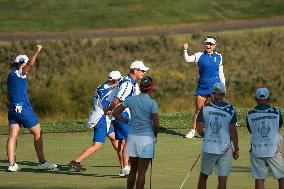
(210, 66)
(264, 122)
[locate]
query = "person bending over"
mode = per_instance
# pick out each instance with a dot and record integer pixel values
(99, 121)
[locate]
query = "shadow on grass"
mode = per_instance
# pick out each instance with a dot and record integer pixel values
(60, 170)
(240, 169)
(171, 132)
(4, 168)
(105, 166)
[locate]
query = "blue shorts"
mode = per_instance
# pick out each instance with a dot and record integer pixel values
(121, 129)
(204, 88)
(100, 131)
(203, 91)
(26, 118)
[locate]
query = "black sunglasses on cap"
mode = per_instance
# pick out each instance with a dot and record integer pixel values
(210, 36)
(21, 60)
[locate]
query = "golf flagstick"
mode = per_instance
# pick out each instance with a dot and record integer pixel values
(189, 172)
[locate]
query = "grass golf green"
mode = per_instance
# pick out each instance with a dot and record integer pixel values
(75, 15)
(174, 156)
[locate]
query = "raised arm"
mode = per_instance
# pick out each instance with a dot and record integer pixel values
(31, 61)
(187, 58)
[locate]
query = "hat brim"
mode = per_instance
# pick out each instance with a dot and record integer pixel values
(210, 40)
(144, 68)
(262, 97)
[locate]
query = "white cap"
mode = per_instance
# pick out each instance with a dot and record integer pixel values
(210, 40)
(137, 64)
(262, 93)
(21, 59)
(219, 87)
(114, 75)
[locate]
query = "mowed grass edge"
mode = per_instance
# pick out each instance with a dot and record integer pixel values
(19, 16)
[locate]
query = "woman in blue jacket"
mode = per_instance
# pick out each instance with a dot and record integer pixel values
(210, 68)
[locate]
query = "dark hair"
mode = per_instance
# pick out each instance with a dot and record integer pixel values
(14, 65)
(113, 81)
(146, 84)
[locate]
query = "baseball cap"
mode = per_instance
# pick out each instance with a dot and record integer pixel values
(146, 84)
(21, 59)
(137, 64)
(219, 87)
(114, 75)
(210, 39)
(262, 93)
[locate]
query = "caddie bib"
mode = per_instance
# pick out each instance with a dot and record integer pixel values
(264, 126)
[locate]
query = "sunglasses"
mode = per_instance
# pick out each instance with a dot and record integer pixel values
(210, 36)
(22, 61)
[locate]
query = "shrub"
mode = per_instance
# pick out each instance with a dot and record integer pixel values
(67, 72)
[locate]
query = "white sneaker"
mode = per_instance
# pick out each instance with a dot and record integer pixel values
(122, 173)
(190, 134)
(14, 168)
(46, 165)
(125, 171)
